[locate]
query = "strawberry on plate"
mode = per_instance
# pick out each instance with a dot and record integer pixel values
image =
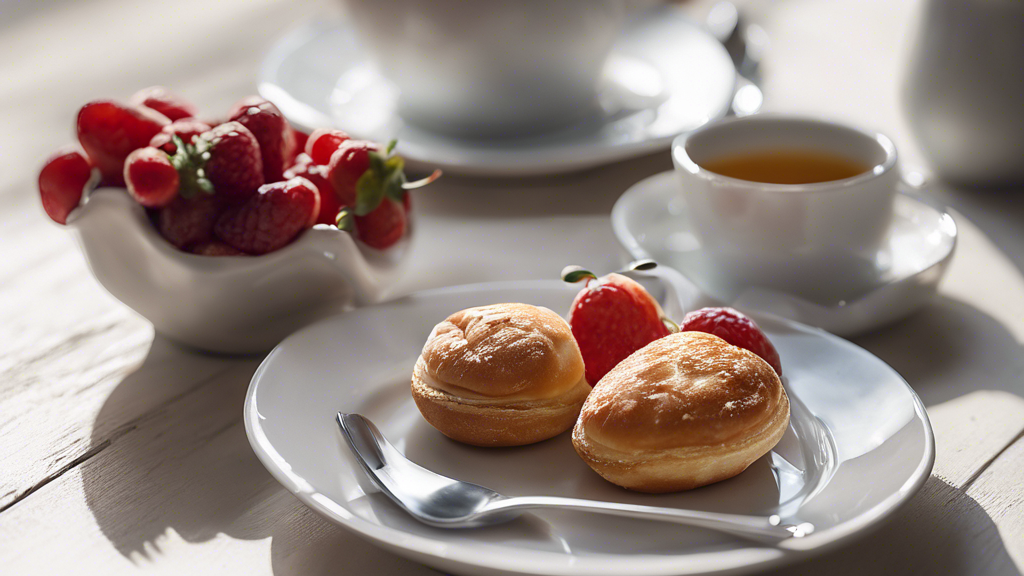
(611, 317)
(272, 132)
(109, 131)
(735, 328)
(151, 178)
(63, 180)
(158, 98)
(272, 218)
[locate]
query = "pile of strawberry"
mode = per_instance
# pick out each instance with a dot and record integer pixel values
(613, 316)
(245, 186)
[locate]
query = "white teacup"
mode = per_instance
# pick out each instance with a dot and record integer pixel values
(491, 67)
(808, 239)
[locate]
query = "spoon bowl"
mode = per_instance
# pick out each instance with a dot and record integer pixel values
(449, 503)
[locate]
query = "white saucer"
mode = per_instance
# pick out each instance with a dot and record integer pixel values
(651, 221)
(858, 446)
(665, 76)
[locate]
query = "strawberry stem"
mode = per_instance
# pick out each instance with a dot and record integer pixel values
(345, 220)
(422, 181)
(573, 274)
(673, 328)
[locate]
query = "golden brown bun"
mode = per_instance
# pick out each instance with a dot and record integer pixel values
(684, 411)
(500, 375)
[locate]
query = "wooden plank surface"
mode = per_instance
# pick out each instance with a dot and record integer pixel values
(124, 453)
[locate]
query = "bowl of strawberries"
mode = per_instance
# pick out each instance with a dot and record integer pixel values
(229, 235)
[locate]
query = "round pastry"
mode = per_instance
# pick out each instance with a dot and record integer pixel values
(684, 411)
(500, 375)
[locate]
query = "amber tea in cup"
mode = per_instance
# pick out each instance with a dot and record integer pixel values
(785, 203)
(786, 166)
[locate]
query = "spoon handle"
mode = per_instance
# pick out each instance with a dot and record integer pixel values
(763, 528)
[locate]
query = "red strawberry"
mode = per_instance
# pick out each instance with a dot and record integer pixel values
(185, 129)
(382, 227)
(109, 131)
(736, 329)
(329, 204)
(347, 165)
(188, 221)
(271, 130)
(611, 318)
(234, 166)
(272, 218)
(151, 178)
(62, 180)
(301, 162)
(322, 144)
(299, 138)
(215, 248)
(170, 105)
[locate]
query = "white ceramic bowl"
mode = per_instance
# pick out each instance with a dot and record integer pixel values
(231, 304)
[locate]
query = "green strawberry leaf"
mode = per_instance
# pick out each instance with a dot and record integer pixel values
(673, 328)
(384, 178)
(378, 163)
(395, 178)
(369, 192)
(394, 164)
(190, 172)
(205, 186)
(345, 220)
(393, 186)
(573, 274)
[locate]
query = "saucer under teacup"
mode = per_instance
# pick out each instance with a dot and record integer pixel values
(665, 76)
(651, 220)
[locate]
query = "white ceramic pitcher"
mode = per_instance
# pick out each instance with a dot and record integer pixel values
(965, 91)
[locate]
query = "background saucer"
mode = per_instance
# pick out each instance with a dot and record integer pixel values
(651, 221)
(665, 76)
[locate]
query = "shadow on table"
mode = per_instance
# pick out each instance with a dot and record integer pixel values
(999, 212)
(945, 351)
(940, 531)
(186, 467)
(950, 349)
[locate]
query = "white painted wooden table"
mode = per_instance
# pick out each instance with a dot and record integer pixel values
(122, 453)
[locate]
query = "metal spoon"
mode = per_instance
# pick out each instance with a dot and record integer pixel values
(448, 503)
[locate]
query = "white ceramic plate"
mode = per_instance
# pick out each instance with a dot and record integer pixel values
(665, 76)
(859, 445)
(651, 220)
